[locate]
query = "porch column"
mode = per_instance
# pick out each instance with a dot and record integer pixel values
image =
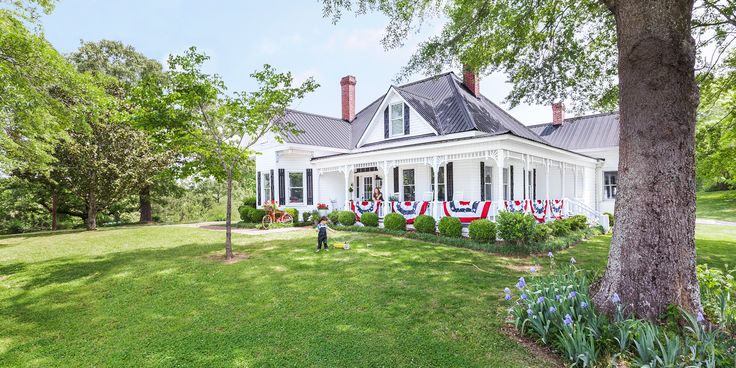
(598, 187)
(383, 169)
(435, 188)
(500, 163)
(562, 179)
(546, 185)
(346, 172)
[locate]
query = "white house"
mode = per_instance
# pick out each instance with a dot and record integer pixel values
(438, 146)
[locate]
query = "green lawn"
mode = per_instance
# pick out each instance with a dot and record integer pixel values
(717, 205)
(151, 296)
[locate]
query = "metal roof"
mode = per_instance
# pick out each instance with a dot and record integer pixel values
(318, 130)
(583, 132)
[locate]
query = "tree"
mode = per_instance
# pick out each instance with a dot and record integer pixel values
(220, 130)
(639, 55)
(129, 68)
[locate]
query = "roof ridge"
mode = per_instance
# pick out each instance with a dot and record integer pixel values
(461, 101)
(313, 114)
(426, 79)
(503, 111)
(577, 118)
(369, 105)
(412, 93)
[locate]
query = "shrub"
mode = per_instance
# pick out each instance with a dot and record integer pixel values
(257, 215)
(515, 227)
(293, 212)
(346, 218)
(578, 222)
(246, 213)
(425, 224)
(305, 216)
(482, 231)
(611, 218)
(560, 227)
(394, 221)
(333, 216)
(315, 217)
(450, 226)
(369, 219)
(542, 232)
(249, 202)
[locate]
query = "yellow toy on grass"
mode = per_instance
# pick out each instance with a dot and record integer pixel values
(345, 245)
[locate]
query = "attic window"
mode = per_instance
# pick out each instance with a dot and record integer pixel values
(397, 119)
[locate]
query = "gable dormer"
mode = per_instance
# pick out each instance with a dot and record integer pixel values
(395, 119)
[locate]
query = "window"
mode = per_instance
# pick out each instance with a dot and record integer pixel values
(530, 185)
(609, 184)
(440, 183)
(379, 183)
(488, 183)
(397, 119)
(505, 183)
(267, 187)
(296, 187)
(408, 182)
(367, 188)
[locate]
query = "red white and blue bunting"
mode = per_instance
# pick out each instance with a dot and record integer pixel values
(516, 206)
(539, 209)
(360, 208)
(410, 210)
(467, 211)
(555, 207)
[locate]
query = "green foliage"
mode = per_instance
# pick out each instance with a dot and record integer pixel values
(515, 227)
(369, 219)
(346, 218)
(257, 215)
(315, 217)
(246, 213)
(611, 218)
(560, 227)
(450, 227)
(250, 201)
(305, 216)
(577, 222)
(718, 295)
(482, 231)
(542, 232)
(394, 221)
(425, 224)
(293, 212)
(334, 216)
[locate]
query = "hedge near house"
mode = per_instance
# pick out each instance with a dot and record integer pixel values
(425, 224)
(369, 219)
(346, 218)
(482, 231)
(450, 227)
(394, 221)
(515, 227)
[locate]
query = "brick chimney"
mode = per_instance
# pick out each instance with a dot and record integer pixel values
(558, 113)
(347, 85)
(471, 80)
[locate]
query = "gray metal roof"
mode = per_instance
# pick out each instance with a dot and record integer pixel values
(442, 100)
(583, 132)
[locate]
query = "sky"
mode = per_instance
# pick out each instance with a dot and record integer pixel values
(241, 36)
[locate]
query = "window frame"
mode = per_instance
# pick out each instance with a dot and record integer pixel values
(367, 194)
(487, 185)
(266, 186)
(289, 187)
(441, 183)
(506, 183)
(391, 133)
(413, 185)
(609, 187)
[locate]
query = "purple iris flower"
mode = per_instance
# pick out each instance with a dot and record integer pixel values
(507, 291)
(521, 284)
(552, 309)
(615, 299)
(558, 297)
(529, 312)
(567, 320)
(550, 255)
(701, 318)
(573, 294)
(507, 297)
(583, 305)
(540, 299)
(523, 296)
(533, 270)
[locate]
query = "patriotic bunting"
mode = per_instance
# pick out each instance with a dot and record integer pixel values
(410, 210)
(555, 207)
(467, 211)
(539, 209)
(516, 206)
(360, 208)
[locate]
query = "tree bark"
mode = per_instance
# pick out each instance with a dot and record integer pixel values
(54, 211)
(651, 263)
(145, 205)
(228, 216)
(92, 211)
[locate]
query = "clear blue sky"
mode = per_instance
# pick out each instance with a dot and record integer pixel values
(240, 36)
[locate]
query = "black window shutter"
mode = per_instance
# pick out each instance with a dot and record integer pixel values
(482, 181)
(449, 185)
(396, 179)
(534, 183)
(282, 187)
(511, 177)
(273, 193)
(310, 188)
(258, 187)
(406, 119)
(385, 123)
(357, 187)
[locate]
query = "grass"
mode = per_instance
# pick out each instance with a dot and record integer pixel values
(155, 297)
(716, 205)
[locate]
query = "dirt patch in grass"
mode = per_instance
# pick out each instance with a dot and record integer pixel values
(534, 348)
(3, 277)
(219, 257)
(523, 268)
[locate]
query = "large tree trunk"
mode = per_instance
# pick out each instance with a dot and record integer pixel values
(651, 263)
(145, 205)
(228, 216)
(92, 211)
(54, 211)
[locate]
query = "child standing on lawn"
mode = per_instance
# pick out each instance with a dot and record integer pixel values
(322, 233)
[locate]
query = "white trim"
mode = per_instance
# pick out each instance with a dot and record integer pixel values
(391, 133)
(303, 187)
(380, 109)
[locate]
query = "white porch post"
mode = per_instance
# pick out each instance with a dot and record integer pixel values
(525, 179)
(598, 187)
(346, 172)
(500, 163)
(435, 188)
(562, 179)
(383, 169)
